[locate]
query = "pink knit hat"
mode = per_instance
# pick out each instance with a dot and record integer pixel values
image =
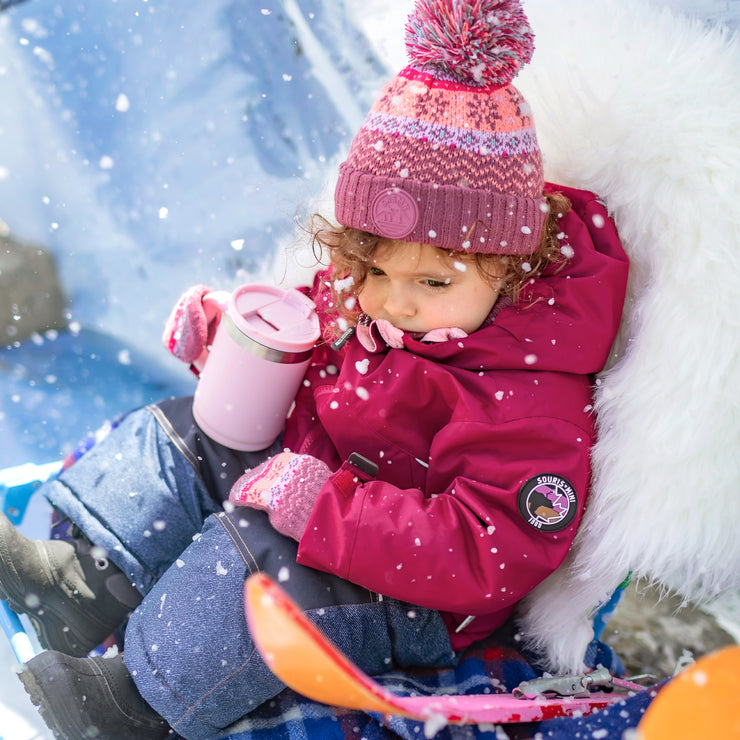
(448, 154)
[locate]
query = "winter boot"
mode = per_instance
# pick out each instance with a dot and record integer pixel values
(89, 698)
(73, 595)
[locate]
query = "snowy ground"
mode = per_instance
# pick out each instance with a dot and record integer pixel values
(70, 197)
(18, 718)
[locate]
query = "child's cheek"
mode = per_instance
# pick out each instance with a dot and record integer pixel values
(366, 303)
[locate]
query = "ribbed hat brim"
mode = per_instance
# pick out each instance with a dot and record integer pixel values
(452, 217)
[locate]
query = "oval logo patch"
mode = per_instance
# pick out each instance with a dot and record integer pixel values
(548, 502)
(394, 213)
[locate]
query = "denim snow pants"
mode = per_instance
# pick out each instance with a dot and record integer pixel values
(150, 494)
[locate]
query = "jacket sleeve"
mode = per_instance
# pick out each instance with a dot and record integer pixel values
(462, 546)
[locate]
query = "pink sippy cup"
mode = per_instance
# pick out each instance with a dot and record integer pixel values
(255, 365)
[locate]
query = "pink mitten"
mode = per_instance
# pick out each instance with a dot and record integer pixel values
(286, 487)
(186, 331)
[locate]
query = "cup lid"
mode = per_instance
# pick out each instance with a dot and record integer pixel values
(280, 319)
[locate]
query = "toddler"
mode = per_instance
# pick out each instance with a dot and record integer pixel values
(435, 465)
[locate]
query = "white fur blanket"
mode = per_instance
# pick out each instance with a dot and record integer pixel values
(643, 107)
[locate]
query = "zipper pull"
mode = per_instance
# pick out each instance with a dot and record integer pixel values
(347, 334)
(343, 338)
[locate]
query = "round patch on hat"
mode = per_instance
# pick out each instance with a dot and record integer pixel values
(548, 502)
(394, 213)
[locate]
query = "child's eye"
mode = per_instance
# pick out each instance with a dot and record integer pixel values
(375, 271)
(436, 283)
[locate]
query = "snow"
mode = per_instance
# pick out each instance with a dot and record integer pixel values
(18, 718)
(151, 146)
(213, 124)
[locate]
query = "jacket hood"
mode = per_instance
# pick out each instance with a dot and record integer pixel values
(565, 320)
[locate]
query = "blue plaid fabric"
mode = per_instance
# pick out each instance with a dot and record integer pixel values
(484, 669)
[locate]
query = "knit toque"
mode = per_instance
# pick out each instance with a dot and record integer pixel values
(448, 154)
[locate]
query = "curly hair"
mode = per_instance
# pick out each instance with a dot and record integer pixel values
(350, 251)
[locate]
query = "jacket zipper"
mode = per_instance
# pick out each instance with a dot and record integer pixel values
(348, 333)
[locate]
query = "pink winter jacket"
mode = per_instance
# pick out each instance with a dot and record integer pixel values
(482, 443)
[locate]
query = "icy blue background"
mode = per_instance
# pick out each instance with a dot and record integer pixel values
(150, 146)
(153, 144)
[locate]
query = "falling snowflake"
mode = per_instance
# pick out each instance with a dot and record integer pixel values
(344, 284)
(122, 103)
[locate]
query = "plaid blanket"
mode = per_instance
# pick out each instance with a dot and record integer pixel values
(486, 668)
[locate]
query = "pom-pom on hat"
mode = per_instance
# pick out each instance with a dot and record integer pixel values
(448, 154)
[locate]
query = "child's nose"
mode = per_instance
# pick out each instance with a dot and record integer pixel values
(398, 302)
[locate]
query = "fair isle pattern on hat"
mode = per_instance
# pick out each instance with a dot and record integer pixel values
(451, 134)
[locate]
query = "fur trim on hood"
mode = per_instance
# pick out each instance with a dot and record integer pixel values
(643, 107)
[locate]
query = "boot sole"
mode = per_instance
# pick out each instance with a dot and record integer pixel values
(51, 628)
(63, 708)
(50, 708)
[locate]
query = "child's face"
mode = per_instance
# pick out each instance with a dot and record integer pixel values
(418, 288)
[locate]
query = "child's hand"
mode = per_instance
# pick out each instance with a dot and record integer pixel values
(186, 331)
(286, 487)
